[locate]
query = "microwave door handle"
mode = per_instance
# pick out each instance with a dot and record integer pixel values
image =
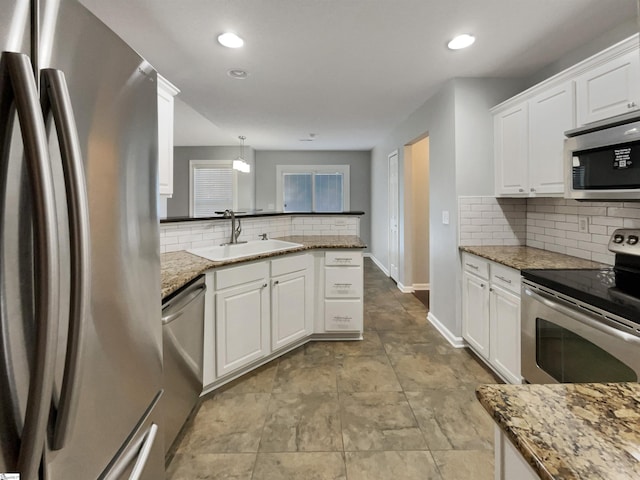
(56, 103)
(559, 305)
(18, 88)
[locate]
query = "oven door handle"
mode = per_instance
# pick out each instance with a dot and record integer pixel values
(558, 304)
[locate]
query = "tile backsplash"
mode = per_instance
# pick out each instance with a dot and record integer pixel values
(187, 235)
(580, 229)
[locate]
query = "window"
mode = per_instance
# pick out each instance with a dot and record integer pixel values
(212, 187)
(313, 188)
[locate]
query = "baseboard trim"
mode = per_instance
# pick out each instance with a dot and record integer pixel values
(457, 342)
(405, 289)
(378, 264)
(421, 286)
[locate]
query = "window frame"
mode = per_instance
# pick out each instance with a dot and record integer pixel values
(313, 169)
(195, 164)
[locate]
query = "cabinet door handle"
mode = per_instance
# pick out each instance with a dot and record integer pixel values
(533, 189)
(631, 105)
(503, 279)
(265, 285)
(275, 283)
(475, 267)
(521, 190)
(482, 285)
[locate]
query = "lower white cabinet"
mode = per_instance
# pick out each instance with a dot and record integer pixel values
(509, 463)
(491, 314)
(242, 318)
(291, 300)
(504, 325)
(475, 312)
(258, 310)
(343, 292)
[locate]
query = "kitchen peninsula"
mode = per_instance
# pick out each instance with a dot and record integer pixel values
(261, 305)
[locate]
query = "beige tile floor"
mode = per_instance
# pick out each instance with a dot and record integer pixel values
(398, 405)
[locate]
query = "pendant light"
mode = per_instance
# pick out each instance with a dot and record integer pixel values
(239, 163)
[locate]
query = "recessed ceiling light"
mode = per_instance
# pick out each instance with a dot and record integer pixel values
(230, 40)
(461, 41)
(237, 74)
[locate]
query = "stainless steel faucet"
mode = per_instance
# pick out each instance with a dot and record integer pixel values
(235, 230)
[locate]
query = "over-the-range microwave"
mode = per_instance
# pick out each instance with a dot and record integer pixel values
(602, 161)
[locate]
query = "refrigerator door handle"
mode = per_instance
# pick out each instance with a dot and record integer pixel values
(143, 456)
(56, 103)
(17, 87)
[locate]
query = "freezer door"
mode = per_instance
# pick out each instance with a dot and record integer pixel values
(113, 95)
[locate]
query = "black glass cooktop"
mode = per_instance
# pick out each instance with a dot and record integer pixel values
(614, 290)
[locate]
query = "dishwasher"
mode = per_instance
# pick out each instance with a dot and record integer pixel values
(182, 345)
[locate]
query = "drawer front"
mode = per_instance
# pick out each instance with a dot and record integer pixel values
(476, 265)
(505, 277)
(289, 264)
(234, 276)
(348, 259)
(342, 282)
(342, 315)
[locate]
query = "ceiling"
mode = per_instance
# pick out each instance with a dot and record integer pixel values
(347, 71)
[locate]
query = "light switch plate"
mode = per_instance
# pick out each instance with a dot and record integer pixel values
(445, 217)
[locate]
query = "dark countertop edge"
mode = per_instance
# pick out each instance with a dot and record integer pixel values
(210, 264)
(261, 214)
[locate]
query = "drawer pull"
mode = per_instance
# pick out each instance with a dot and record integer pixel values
(503, 279)
(342, 285)
(475, 267)
(343, 259)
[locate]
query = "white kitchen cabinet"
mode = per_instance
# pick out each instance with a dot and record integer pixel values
(529, 127)
(509, 463)
(491, 314)
(343, 292)
(475, 312)
(166, 94)
(550, 115)
(291, 300)
(504, 325)
(242, 316)
(529, 143)
(609, 89)
(511, 150)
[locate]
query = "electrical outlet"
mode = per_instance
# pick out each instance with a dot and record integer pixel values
(583, 224)
(445, 217)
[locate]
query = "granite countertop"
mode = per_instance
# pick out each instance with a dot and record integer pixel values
(179, 268)
(522, 257)
(571, 431)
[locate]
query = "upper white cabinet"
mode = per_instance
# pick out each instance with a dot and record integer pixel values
(529, 128)
(511, 141)
(609, 89)
(166, 92)
(550, 115)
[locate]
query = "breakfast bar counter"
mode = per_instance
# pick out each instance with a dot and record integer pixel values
(570, 431)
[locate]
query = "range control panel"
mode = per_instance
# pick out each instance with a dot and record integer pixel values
(625, 240)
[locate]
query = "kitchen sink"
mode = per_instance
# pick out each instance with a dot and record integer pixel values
(255, 247)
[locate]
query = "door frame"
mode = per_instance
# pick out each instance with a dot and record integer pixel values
(394, 239)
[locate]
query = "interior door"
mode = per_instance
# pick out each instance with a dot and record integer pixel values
(394, 214)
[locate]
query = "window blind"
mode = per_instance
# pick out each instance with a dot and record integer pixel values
(212, 189)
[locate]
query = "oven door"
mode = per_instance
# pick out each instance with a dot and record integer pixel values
(565, 342)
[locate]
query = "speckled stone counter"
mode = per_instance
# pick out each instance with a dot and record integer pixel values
(522, 257)
(179, 268)
(571, 431)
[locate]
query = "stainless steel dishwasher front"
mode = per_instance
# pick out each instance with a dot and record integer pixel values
(182, 339)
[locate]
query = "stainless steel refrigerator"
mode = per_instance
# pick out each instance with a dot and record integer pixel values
(80, 332)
